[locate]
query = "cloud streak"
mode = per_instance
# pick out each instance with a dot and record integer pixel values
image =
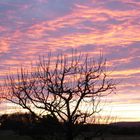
(35, 27)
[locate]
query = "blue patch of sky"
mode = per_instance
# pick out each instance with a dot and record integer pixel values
(117, 5)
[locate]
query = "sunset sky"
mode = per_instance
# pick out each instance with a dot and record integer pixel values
(29, 28)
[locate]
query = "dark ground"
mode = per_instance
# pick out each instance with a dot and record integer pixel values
(24, 127)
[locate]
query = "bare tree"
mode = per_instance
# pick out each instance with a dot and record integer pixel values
(67, 87)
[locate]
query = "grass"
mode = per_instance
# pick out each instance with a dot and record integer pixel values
(10, 135)
(119, 138)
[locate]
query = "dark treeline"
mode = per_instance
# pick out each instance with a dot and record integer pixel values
(48, 126)
(26, 124)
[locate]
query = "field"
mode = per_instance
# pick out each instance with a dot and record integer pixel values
(10, 135)
(119, 138)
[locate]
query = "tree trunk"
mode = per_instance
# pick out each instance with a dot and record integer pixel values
(69, 132)
(69, 136)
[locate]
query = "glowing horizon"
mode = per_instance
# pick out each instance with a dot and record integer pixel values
(32, 28)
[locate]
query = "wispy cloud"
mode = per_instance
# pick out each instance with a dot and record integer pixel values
(30, 28)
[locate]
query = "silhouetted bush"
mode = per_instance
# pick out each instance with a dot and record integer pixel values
(14, 121)
(24, 123)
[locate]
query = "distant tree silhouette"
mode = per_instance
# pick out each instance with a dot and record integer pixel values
(23, 123)
(67, 87)
(15, 121)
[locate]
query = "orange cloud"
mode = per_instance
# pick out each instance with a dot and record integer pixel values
(4, 45)
(120, 34)
(126, 72)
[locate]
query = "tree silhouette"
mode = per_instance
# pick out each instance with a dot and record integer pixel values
(67, 87)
